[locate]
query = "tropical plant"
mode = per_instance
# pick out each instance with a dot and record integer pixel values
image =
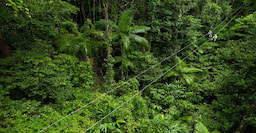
(85, 44)
(113, 127)
(123, 33)
(183, 72)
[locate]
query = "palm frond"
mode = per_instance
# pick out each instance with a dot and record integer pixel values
(140, 40)
(125, 40)
(180, 65)
(114, 37)
(201, 128)
(171, 73)
(139, 29)
(125, 20)
(188, 78)
(191, 70)
(117, 59)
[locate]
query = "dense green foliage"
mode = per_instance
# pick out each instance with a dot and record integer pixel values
(57, 56)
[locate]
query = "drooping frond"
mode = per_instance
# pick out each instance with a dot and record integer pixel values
(191, 70)
(114, 36)
(171, 73)
(140, 40)
(188, 78)
(125, 40)
(139, 29)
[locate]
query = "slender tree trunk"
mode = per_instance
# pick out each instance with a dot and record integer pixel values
(4, 47)
(100, 10)
(243, 125)
(87, 57)
(83, 12)
(176, 38)
(122, 65)
(143, 47)
(108, 43)
(176, 45)
(107, 30)
(93, 15)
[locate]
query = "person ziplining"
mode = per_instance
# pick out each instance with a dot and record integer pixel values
(214, 38)
(210, 33)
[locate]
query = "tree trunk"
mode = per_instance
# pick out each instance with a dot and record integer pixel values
(176, 38)
(122, 62)
(176, 46)
(87, 57)
(108, 43)
(89, 10)
(83, 12)
(143, 47)
(4, 47)
(84, 19)
(93, 15)
(243, 125)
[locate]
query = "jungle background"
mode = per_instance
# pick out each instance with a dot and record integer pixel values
(58, 55)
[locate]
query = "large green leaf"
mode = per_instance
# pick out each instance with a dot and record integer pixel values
(191, 70)
(188, 78)
(139, 29)
(140, 40)
(183, 72)
(114, 36)
(125, 20)
(171, 73)
(201, 128)
(180, 65)
(117, 59)
(125, 40)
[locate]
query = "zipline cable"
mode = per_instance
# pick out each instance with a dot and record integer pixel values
(157, 78)
(96, 99)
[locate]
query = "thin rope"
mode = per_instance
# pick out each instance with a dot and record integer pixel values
(156, 78)
(96, 99)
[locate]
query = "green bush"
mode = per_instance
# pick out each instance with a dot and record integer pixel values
(36, 76)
